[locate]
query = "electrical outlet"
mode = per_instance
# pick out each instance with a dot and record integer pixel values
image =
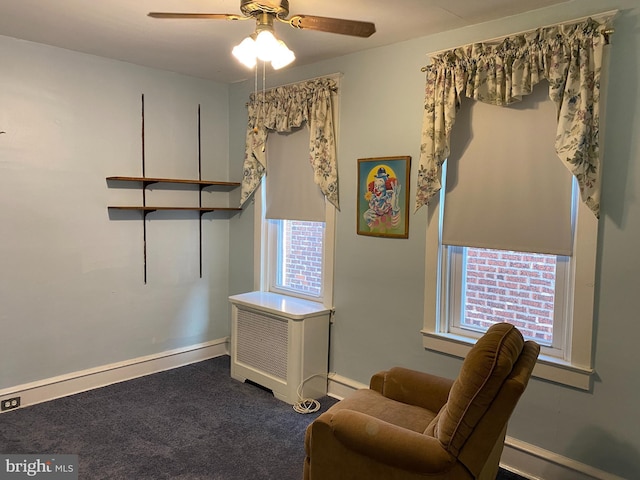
(10, 403)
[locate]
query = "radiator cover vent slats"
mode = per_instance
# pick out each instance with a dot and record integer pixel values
(262, 342)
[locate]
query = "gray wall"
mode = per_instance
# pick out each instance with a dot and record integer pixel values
(379, 283)
(72, 295)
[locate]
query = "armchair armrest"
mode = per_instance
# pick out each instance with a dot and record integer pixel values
(389, 444)
(412, 387)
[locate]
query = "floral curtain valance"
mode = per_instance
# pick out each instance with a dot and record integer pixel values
(283, 109)
(568, 56)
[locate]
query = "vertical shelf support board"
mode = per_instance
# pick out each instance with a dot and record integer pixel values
(200, 189)
(144, 204)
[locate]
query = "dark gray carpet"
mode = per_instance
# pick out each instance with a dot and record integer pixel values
(190, 423)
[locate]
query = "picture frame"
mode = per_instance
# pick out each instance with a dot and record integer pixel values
(383, 196)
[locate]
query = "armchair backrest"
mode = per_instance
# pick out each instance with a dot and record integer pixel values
(492, 378)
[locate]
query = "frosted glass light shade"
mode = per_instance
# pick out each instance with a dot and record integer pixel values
(282, 57)
(266, 46)
(245, 52)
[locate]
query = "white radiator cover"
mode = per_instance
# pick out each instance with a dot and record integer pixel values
(279, 342)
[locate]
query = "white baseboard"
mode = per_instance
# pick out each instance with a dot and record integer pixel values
(76, 382)
(524, 459)
(339, 387)
(536, 463)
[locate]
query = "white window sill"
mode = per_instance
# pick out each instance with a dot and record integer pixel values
(547, 368)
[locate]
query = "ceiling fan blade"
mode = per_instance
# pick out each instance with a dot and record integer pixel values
(332, 25)
(210, 16)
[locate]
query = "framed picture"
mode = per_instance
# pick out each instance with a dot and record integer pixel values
(383, 197)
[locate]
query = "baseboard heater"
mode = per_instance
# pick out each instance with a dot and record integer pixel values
(279, 342)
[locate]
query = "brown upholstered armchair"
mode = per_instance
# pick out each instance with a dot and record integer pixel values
(413, 425)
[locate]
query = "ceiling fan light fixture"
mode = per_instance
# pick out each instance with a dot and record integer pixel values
(263, 45)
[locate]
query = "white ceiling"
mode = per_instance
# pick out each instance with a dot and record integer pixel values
(121, 29)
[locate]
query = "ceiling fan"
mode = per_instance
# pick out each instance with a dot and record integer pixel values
(266, 11)
(263, 44)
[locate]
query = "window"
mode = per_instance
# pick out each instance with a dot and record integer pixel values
(298, 244)
(451, 324)
(471, 283)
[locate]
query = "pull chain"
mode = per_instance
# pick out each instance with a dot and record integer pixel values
(255, 99)
(264, 76)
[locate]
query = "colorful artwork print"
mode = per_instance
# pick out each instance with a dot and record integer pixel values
(383, 196)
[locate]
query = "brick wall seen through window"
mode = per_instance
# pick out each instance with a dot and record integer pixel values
(514, 287)
(302, 262)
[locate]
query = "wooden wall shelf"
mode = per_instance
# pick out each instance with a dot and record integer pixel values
(202, 183)
(195, 209)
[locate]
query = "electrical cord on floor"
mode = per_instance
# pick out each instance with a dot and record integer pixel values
(307, 405)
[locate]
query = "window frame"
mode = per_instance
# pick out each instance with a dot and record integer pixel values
(576, 368)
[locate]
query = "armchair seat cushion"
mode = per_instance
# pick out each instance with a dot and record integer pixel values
(376, 405)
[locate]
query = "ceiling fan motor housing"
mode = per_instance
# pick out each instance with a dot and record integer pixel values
(278, 8)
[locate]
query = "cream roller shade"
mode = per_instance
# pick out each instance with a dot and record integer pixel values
(506, 188)
(291, 193)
